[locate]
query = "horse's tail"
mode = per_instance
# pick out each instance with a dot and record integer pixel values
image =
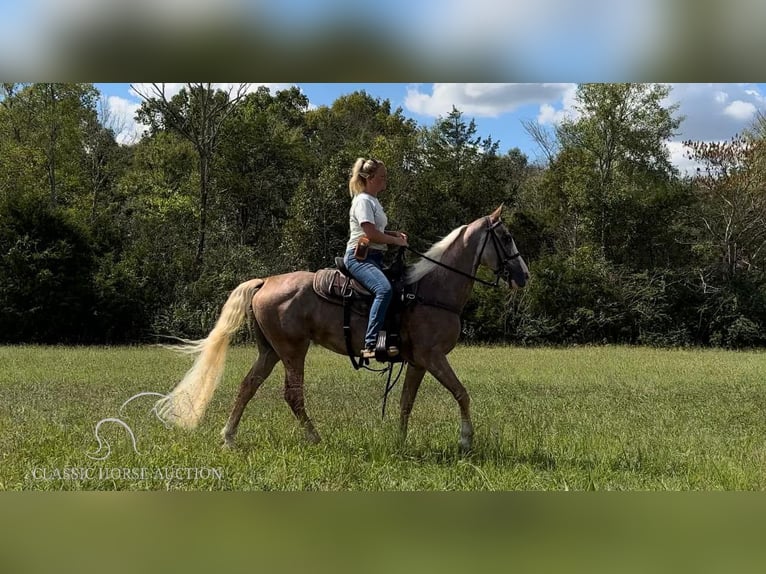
(186, 403)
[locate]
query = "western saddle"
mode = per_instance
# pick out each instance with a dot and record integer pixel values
(338, 286)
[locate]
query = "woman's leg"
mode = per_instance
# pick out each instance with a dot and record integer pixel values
(369, 274)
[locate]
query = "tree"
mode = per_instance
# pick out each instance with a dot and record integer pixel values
(731, 188)
(46, 148)
(46, 267)
(103, 156)
(458, 172)
(263, 157)
(620, 137)
(353, 122)
(197, 113)
(545, 139)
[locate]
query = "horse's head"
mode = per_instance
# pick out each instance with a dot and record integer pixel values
(500, 253)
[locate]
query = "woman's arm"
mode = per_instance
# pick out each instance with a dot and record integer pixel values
(379, 237)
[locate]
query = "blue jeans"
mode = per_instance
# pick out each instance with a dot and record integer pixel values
(369, 274)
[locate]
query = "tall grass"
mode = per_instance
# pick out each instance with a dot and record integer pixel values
(546, 419)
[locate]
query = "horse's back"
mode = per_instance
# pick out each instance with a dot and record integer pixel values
(278, 289)
(286, 304)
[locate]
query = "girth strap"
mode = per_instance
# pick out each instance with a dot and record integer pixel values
(439, 305)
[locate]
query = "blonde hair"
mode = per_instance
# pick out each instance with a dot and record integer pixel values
(363, 169)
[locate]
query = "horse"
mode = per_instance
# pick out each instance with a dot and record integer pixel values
(287, 315)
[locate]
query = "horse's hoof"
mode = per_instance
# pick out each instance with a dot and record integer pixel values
(227, 444)
(313, 438)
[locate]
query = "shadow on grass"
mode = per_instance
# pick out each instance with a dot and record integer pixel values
(443, 455)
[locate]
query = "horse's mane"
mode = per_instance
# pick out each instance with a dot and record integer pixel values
(436, 251)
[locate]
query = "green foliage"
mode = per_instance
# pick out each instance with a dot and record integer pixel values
(735, 316)
(460, 173)
(617, 161)
(317, 229)
(262, 160)
(46, 264)
(574, 299)
(43, 128)
(585, 299)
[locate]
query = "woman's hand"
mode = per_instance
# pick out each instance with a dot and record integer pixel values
(402, 237)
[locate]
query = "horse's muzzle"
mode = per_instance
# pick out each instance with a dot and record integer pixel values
(519, 284)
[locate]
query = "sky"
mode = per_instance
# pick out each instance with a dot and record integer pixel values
(712, 111)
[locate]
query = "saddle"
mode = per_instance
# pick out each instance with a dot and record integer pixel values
(337, 285)
(334, 284)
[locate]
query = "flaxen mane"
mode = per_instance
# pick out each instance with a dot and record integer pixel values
(436, 251)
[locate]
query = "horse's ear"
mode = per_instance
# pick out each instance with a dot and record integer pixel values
(495, 216)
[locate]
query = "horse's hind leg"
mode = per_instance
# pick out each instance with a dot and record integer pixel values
(294, 368)
(267, 359)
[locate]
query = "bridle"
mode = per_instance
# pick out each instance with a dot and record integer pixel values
(500, 250)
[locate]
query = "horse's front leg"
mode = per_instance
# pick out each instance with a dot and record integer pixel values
(412, 380)
(440, 368)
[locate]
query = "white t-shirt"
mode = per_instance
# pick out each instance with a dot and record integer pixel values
(365, 208)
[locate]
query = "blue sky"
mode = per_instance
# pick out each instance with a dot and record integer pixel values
(713, 112)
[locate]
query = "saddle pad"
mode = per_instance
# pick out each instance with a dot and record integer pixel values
(328, 284)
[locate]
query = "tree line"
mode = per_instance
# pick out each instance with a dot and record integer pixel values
(108, 243)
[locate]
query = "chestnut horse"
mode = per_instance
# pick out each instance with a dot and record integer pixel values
(287, 315)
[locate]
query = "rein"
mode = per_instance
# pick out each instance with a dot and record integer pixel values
(499, 249)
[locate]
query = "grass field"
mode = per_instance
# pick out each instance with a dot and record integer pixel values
(603, 418)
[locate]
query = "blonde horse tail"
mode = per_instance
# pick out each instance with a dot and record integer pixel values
(187, 402)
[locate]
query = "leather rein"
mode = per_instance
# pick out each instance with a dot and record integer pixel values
(500, 250)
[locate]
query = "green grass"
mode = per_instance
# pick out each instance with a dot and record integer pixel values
(546, 419)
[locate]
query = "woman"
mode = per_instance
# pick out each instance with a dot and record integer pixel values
(367, 221)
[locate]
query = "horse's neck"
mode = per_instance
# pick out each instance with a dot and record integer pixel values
(448, 287)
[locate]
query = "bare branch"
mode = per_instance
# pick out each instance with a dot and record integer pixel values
(545, 140)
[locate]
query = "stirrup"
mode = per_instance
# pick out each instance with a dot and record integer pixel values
(392, 351)
(367, 353)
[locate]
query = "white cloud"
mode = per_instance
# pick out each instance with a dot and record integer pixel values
(481, 100)
(715, 112)
(678, 157)
(119, 115)
(740, 110)
(550, 115)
